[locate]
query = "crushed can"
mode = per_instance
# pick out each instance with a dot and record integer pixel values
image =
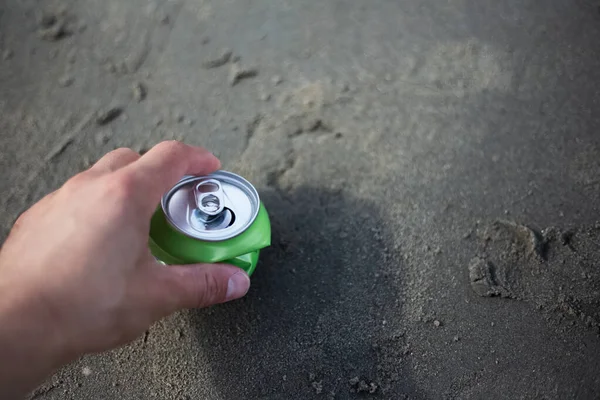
(217, 218)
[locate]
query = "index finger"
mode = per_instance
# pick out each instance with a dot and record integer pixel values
(165, 164)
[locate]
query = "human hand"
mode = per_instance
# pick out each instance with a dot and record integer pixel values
(76, 275)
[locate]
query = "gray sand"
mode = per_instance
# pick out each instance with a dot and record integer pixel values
(412, 155)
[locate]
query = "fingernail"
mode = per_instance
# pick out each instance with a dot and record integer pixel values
(238, 286)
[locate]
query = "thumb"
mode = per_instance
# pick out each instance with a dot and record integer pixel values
(202, 285)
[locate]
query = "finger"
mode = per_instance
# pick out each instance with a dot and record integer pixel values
(115, 160)
(197, 286)
(166, 163)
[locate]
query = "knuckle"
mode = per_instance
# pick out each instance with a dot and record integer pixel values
(75, 182)
(126, 181)
(122, 151)
(170, 147)
(121, 187)
(211, 291)
(76, 179)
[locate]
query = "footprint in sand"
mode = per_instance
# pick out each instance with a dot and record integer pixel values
(556, 270)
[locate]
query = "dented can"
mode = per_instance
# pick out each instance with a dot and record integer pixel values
(217, 218)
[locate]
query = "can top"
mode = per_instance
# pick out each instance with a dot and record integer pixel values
(212, 208)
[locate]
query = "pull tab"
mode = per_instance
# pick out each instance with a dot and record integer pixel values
(209, 197)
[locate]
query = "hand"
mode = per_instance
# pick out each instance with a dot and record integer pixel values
(76, 275)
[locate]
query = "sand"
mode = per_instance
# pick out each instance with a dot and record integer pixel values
(432, 170)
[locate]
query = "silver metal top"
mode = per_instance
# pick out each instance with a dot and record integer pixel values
(212, 208)
(209, 197)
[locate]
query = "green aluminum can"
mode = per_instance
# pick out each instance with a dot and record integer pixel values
(217, 218)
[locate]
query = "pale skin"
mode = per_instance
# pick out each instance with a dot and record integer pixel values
(76, 275)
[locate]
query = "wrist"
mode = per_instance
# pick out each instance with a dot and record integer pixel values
(31, 347)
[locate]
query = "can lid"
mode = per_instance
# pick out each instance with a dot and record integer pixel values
(212, 208)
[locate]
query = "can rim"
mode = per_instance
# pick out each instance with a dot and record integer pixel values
(227, 177)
